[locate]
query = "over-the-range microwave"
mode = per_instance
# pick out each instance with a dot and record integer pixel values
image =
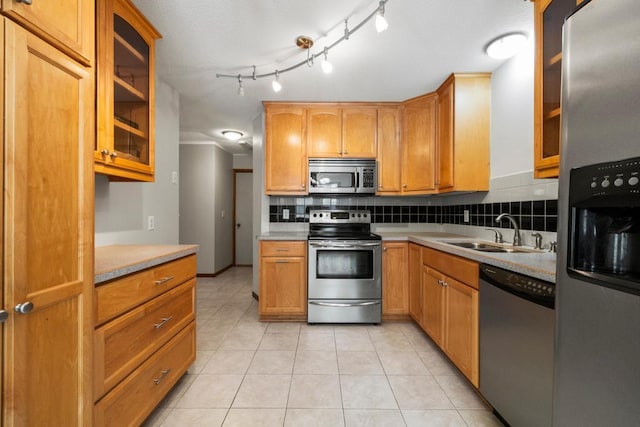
(342, 176)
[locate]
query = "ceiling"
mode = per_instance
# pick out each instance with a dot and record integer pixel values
(425, 42)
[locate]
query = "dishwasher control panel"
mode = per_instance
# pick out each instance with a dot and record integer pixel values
(536, 290)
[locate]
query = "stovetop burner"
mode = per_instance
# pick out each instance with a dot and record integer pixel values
(340, 225)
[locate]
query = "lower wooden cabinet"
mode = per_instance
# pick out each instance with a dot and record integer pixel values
(283, 280)
(144, 340)
(395, 279)
(450, 308)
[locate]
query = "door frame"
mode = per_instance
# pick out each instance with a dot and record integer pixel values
(235, 174)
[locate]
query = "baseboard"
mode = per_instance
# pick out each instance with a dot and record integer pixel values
(217, 273)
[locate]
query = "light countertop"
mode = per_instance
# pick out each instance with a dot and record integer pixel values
(115, 261)
(284, 235)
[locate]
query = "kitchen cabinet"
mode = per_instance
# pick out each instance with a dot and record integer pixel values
(463, 133)
(415, 283)
(548, 20)
(395, 280)
(66, 24)
(345, 131)
(419, 145)
(389, 151)
(144, 339)
(48, 192)
(450, 308)
(125, 92)
(283, 280)
(285, 150)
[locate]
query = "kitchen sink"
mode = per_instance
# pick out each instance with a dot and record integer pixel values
(490, 247)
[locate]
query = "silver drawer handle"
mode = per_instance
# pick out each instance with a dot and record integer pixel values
(338, 304)
(164, 280)
(163, 374)
(162, 322)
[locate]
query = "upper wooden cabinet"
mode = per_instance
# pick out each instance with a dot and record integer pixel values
(126, 92)
(342, 132)
(389, 151)
(464, 104)
(66, 24)
(418, 144)
(285, 149)
(548, 19)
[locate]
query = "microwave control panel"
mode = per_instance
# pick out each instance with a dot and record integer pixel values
(621, 178)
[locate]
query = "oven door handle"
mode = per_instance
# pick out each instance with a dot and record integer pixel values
(345, 246)
(340, 304)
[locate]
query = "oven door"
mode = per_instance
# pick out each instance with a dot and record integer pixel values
(344, 269)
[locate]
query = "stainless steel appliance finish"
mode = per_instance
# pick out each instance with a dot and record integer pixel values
(516, 345)
(596, 379)
(342, 176)
(344, 283)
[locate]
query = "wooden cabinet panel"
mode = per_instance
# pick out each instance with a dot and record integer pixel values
(454, 266)
(125, 148)
(418, 145)
(127, 341)
(389, 151)
(116, 297)
(283, 283)
(548, 20)
(65, 24)
(131, 401)
(395, 279)
(359, 128)
(433, 306)
(283, 249)
(48, 231)
(415, 282)
(461, 328)
(464, 107)
(285, 150)
(324, 133)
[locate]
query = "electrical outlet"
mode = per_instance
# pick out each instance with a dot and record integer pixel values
(466, 215)
(222, 213)
(174, 177)
(151, 222)
(285, 213)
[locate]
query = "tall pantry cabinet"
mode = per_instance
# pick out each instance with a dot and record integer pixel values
(47, 234)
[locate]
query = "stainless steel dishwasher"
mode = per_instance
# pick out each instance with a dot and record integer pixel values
(516, 346)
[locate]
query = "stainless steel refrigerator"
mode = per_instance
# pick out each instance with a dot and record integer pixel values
(597, 348)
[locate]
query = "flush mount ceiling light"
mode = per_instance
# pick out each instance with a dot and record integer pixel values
(306, 43)
(232, 135)
(506, 46)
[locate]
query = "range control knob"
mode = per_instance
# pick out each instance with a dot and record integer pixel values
(359, 215)
(605, 183)
(364, 215)
(618, 182)
(594, 184)
(633, 180)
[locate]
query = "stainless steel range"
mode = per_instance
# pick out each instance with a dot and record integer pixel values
(345, 259)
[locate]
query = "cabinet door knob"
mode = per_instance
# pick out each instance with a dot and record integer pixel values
(113, 154)
(384, 248)
(345, 152)
(339, 152)
(104, 152)
(404, 185)
(24, 308)
(27, 2)
(4, 315)
(303, 185)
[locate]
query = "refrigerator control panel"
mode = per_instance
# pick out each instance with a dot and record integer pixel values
(621, 178)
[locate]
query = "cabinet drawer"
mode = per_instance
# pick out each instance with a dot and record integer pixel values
(116, 297)
(283, 249)
(453, 266)
(134, 398)
(124, 343)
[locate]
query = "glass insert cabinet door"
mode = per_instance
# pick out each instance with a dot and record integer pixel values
(125, 143)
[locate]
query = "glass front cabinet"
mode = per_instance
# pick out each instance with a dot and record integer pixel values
(549, 17)
(125, 97)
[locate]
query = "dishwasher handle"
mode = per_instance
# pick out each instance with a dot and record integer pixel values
(529, 288)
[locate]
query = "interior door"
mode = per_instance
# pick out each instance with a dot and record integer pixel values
(243, 217)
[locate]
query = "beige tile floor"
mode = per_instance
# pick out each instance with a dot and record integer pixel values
(249, 373)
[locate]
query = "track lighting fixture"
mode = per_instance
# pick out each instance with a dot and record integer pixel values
(327, 66)
(381, 21)
(277, 87)
(306, 43)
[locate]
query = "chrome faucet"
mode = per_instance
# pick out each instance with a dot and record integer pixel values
(517, 240)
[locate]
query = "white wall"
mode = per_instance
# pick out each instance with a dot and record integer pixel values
(260, 200)
(206, 204)
(243, 161)
(122, 208)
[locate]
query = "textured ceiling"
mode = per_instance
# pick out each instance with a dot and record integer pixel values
(426, 41)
